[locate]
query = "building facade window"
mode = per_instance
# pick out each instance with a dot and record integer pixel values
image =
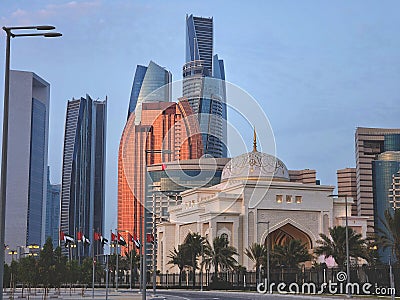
(279, 198)
(289, 198)
(299, 199)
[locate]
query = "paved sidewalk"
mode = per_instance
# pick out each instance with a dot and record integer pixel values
(100, 294)
(77, 294)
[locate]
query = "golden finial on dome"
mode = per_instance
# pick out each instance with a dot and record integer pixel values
(255, 140)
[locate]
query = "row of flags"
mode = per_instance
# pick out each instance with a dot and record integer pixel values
(119, 239)
(115, 238)
(69, 239)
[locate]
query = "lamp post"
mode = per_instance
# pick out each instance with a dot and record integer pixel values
(144, 240)
(3, 184)
(266, 222)
(12, 253)
(347, 245)
(201, 268)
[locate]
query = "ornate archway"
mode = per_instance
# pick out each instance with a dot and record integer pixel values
(288, 232)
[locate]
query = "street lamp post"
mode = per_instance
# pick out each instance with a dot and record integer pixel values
(144, 246)
(3, 184)
(347, 245)
(267, 222)
(154, 245)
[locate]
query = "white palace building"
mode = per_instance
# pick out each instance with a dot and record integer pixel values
(255, 198)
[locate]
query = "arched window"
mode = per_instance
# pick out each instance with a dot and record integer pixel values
(225, 236)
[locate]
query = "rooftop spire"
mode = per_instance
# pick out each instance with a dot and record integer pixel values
(255, 140)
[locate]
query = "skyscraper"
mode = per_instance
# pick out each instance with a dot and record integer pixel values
(369, 143)
(150, 84)
(204, 85)
(167, 131)
(385, 179)
(347, 185)
(27, 160)
(83, 172)
(52, 210)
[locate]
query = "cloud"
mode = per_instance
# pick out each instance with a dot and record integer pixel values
(70, 8)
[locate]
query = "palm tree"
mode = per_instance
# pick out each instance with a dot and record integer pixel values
(389, 237)
(132, 258)
(257, 253)
(195, 242)
(180, 258)
(220, 255)
(291, 254)
(335, 245)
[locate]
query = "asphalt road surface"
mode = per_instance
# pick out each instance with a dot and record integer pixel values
(213, 295)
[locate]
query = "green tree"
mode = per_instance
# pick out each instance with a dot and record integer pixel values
(256, 252)
(46, 265)
(86, 271)
(14, 273)
(181, 258)
(335, 245)
(73, 271)
(27, 270)
(195, 242)
(220, 255)
(389, 237)
(6, 276)
(291, 254)
(60, 263)
(133, 258)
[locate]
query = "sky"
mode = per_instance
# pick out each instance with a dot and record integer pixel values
(318, 69)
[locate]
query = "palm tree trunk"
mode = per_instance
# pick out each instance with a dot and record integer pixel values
(194, 270)
(180, 277)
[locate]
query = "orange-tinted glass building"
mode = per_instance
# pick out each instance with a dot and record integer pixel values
(167, 131)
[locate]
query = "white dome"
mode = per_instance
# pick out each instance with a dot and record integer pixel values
(255, 166)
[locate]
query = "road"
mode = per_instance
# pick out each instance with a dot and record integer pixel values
(214, 295)
(123, 294)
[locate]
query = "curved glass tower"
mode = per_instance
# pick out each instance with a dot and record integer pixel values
(386, 184)
(150, 84)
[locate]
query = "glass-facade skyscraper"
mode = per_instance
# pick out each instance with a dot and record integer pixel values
(386, 187)
(83, 173)
(27, 160)
(150, 84)
(204, 85)
(52, 211)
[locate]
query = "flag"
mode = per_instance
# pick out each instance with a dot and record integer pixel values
(79, 236)
(103, 240)
(150, 238)
(113, 237)
(136, 241)
(96, 236)
(85, 240)
(68, 239)
(61, 235)
(130, 237)
(121, 240)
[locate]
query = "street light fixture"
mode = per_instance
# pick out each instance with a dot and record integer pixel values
(10, 34)
(347, 245)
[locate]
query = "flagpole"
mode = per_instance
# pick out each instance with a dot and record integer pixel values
(116, 280)
(130, 266)
(79, 250)
(93, 263)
